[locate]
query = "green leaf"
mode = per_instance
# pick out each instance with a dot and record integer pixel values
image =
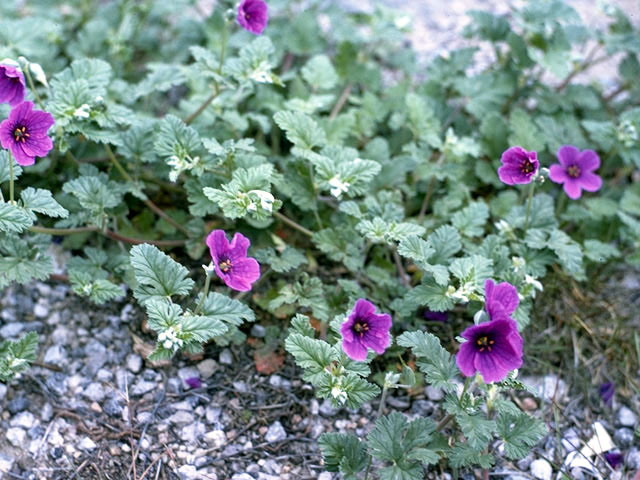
(478, 430)
(446, 243)
(309, 292)
(314, 356)
(471, 219)
(343, 453)
(600, 252)
(99, 290)
(341, 245)
(201, 328)
(94, 194)
(431, 294)
(419, 251)
(319, 73)
(176, 138)
(568, 252)
(14, 218)
(161, 78)
(225, 309)
(434, 361)
(472, 270)
(423, 121)
(289, 259)
(300, 324)
(301, 130)
(157, 274)
(520, 433)
(24, 260)
(16, 356)
(41, 201)
(358, 390)
(381, 231)
(464, 455)
(524, 131)
(253, 63)
(487, 92)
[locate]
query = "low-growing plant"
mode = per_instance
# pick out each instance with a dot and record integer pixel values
(308, 145)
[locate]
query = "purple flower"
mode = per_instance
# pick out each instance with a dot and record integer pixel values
(24, 133)
(500, 299)
(233, 266)
(436, 316)
(607, 390)
(518, 166)
(11, 85)
(253, 16)
(614, 459)
(365, 328)
(492, 348)
(575, 171)
(193, 382)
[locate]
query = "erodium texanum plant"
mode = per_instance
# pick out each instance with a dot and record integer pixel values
(354, 186)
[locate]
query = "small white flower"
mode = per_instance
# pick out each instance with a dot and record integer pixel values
(262, 74)
(169, 338)
(266, 199)
(503, 227)
(402, 21)
(533, 282)
(179, 165)
(82, 111)
(252, 207)
(339, 394)
(339, 187)
(209, 269)
(10, 61)
(38, 73)
(518, 263)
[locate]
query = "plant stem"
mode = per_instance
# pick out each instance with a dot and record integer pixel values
(205, 291)
(341, 101)
(532, 188)
(32, 86)
(293, 224)
(403, 275)
(107, 233)
(146, 201)
(425, 202)
(11, 180)
(204, 105)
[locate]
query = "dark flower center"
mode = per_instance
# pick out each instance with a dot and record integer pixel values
(20, 134)
(225, 265)
(573, 171)
(360, 327)
(527, 166)
(485, 342)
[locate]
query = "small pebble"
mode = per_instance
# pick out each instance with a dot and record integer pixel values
(134, 362)
(626, 417)
(276, 433)
(541, 469)
(16, 436)
(225, 357)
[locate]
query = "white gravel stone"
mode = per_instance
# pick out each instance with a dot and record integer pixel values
(276, 433)
(188, 372)
(55, 355)
(16, 437)
(94, 391)
(181, 417)
(3, 390)
(6, 463)
(142, 387)
(626, 417)
(434, 394)
(216, 438)
(23, 419)
(41, 310)
(207, 368)
(541, 469)
(266, 476)
(87, 444)
(188, 472)
(134, 362)
(225, 357)
(242, 476)
(325, 476)
(190, 433)
(11, 330)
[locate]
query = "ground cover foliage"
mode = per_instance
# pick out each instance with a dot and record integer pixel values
(352, 171)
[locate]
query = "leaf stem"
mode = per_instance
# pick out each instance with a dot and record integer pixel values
(204, 105)
(205, 292)
(11, 180)
(341, 101)
(32, 86)
(403, 275)
(532, 188)
(107, 233)
(293, 224)
(158, 211)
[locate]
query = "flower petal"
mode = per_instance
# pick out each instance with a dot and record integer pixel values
(590, 182)
(218, 244)
(363, 309)
(572, 189)
(503, 296)
(557, 173)
(244, 272)
(36, 146)
(378, 343)
(355, 350)
(588, 161)
(466, 359)
(238, 247)
(568, 155)
(490, 368)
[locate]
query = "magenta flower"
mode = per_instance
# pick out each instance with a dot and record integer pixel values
(233, 266)
(365, 328)
(518, 166)
(500, 300)
(253, 16)
(614, 459)
(492, 348)
(193, 382)
(436, 316)
(575, 171)
(11, 85)
(24, 133)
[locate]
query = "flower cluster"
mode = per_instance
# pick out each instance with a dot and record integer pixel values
(24, 133)
(575, 170)
(493, 348)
